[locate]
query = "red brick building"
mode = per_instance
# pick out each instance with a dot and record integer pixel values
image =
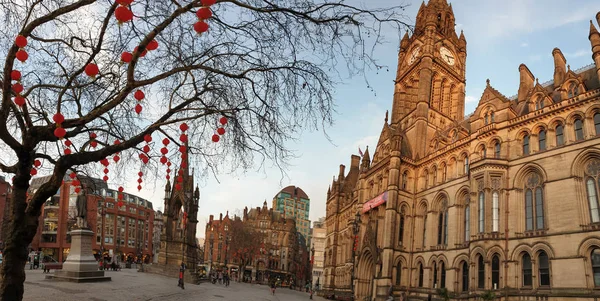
(5, 191)
(122, 233)
(217, 239)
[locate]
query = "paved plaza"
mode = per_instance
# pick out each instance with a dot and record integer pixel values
(131, 285)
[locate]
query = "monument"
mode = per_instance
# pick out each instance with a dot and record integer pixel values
(80, 266)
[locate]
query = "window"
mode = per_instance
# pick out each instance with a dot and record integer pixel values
(424, 230)
(542, 140)
(578, 125)
(398, 273)
(421, 274)
(444, 172)
(401, 228)
(480, 272)
(485, 119)
(446, 227)
(526, 144)
(495, 271)
(434, 172)
(481, 212)
(465, 276)
(405, 179)
(596, 266)
(426, 179)
(592, 171)
(534, 204)
(497, 150)
(527, 277)
(544, 269)
(442, 275)
(573, 90)
(495, 212)
(492, 116)
(467, 226)
(435, 273)
(483, 151)
(440, 228)
(443, 226)
(560, 140)
(466, 164)
(597, 123)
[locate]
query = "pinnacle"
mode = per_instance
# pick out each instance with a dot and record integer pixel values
(593, 29)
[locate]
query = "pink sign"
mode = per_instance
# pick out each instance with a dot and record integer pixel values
(380, 199)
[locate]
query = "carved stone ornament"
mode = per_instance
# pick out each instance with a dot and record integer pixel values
(495, 183)
(593, 168)
(533, 180)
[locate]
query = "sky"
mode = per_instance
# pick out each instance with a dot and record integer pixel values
(500, 36)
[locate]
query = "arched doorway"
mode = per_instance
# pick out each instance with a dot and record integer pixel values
(364, 275)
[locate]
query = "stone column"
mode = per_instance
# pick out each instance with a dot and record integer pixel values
(80, 266)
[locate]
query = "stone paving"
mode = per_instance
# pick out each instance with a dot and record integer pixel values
(130, 285)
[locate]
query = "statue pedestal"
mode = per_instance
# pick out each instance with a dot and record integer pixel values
(80, 266)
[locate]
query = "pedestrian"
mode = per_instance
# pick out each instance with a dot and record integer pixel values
(273, 286)
(181, 270)
(311, 293)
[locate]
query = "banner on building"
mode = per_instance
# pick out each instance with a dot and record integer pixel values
(378, 200)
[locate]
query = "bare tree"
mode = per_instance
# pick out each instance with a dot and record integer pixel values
(269, 67)
(245, 244)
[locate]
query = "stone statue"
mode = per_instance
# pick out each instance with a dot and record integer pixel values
(81, 210)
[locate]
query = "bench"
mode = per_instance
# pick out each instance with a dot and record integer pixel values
(53, 265)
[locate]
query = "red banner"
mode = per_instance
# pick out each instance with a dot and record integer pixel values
(380, 199)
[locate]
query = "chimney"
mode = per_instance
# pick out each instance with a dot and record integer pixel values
(560, 67)
(245, 211)
(220, 216)
(210, 218)
(355, 161)
(525, 83)
(342, 172)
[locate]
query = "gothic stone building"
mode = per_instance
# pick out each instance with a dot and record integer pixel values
(504, 200)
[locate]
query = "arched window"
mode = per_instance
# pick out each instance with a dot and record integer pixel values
(526, 266)
(483, 151)
(440, 227)
(534, 203)
(485, 119)
(573, 90)
(401, 228)
(597, 123)
(405, 179)
(443, 225)
(495, 271)
(465, 276)
(426, 179)
(578, 125)
(446, 227)
(560, 140)
(420, 275)
(544, 269)
(480, 272)
(596, 266)
(425, 230)
(495, 212)
(444, 172)
(435, 273)
(526, 144)
(542, 140)
(466, 165)
(492, 116)
(398, 273)
(443, 275)
(434, 172)
(481, 212)
(497, 150)
(592, 172)
(467, 225)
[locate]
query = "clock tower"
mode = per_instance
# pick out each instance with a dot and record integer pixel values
(431, 65)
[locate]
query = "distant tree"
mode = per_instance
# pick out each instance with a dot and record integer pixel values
(246, 244)
(99, 78)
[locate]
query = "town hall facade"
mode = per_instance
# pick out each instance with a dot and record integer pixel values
(504, 201)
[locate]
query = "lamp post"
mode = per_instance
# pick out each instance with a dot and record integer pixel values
(356, 230)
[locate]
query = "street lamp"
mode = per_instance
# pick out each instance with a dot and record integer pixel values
(356, 230)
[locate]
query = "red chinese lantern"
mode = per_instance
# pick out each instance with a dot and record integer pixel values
(168, 177)
(166, 141)
(164, 150)
(183, 156)
(33, 172)
(120, 203)
(139, 187)
(126, 57)
(168, 170)
(183, 138)
(67, 151)
(73, 175)
(140, 180)
(60, 133)
(123, 14)
(93, 135)
(77, 190)
(124, 2)
(183, 164)
(138, 108)
(163, 160)
(116, 158)
(143, 54)
(208, 2)
(58, 118)
(19, 101)
(148, 138)
(105, 178)
(152, 45)
(15, 75)
(68, 143)
(215, 138)
(94, 143)
(37, 163)
(117, 142)
(145, 160)
(21, 41)
(200, 27)
(169, 164)
(146, 149)
(18, 88)
(177, 186)
(221, 131)
(223, 120)
(139, 95)
(91, 70)
(183, 127)
(22, 56)
(180, 172)
(104, 162)
(121, 189)
(204, 13)
(182, 148)
(105, 170)
(140, 173)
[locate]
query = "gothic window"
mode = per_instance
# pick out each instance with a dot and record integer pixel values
(442, 275)
(534, 203)
(398, 273)
(492, 116)
(497, 150)
(443, 226)
(596, 266)
(526, 144)
(434, 172)
(481, 212)
(560, 140)
(426, 179)
(573, 90)
(485, 118)
(592, 183)
(542, 140)
(465, 276)
(544, 269)
(466, 165)
(440, 227)
(495, 212)
(467, 226)
(424, 230)
(405, 179)
(420, 275)
(480, 272)
(578, 125)
(495, 271)
(446, 227)
(526, 269)
(435, 273)
(401, 229)
(444, 172)
(483, 151)
(597, 123)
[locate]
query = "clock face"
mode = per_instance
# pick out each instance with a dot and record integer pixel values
(447, 56)
(414, 55)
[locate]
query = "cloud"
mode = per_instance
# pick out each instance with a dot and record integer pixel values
(535, 58)
(524, 44)
(578, 53)
(470, 98)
